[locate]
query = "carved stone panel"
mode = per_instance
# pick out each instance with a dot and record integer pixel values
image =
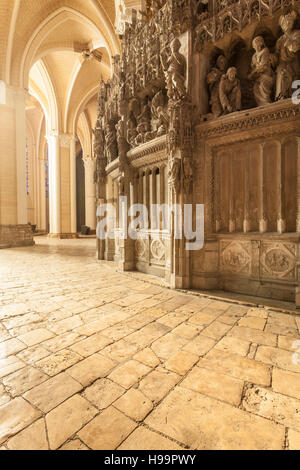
(235, 257)
(157, 251)
(140, 248)
(278, 260)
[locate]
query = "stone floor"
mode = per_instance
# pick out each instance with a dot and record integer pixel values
(93, 359)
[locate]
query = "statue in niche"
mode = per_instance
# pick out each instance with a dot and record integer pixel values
(141, 134)
(175, 68)
(98, 151)
(98, 140)
(163, 121)
(145, 115)
(174, 173)
(131, 129)
(158, 113)
(287, 47)
(157, 100)
(213, 80)
(230, 92)
(188, 174)
(121, 140)
(121, 184)
(262, 72)
(111, 147)
(102, 97)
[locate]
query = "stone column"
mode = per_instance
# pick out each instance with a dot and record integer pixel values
(73, 203)
(298, 188)
(90, 192)
(161, 193)
(62, 185)
(153, 200)
(281, 222)
(231, 196)
(217, 194)
(54, 184)
(262, 192)
(246, 221)
(13, 201)
(147, 198)
(42, 195)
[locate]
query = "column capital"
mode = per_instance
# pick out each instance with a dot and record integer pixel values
(12, 96)
(51, 135)
(65, 140)
(89, 161)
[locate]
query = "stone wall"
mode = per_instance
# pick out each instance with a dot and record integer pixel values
(15, 235)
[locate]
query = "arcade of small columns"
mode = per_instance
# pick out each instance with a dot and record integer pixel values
(147, 187)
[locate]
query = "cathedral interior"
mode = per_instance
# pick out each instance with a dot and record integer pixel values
(150, 338)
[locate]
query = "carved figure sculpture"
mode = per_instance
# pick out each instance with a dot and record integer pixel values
(159, 115)
(188, 175)
(175, 71)
(157, 100)
(287, 48)
(131, 129)
(174, 173)
(213, 80)
(145, 115)
(141, 134)
(163, 121)
(121, 184)
(98, 140)
(121, 140)
(111, 142)
(262, 72)
(230, 91)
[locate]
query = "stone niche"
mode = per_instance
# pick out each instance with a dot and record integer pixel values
(250, 174)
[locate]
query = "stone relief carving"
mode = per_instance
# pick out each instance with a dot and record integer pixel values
(235, 257)
(230, 16)
(272, 72)
(157, 249)
(147, 96)
(140, 248)
(278, 260)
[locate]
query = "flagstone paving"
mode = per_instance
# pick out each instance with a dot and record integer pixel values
(95, 359)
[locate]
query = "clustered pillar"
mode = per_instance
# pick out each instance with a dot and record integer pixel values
(90, 192)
